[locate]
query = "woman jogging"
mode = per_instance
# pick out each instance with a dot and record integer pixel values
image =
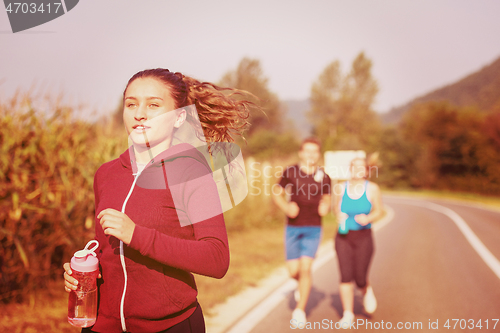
(360, 204)
(158, 213)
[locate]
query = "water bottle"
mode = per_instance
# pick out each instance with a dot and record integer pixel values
(82, 304)
(343, 230)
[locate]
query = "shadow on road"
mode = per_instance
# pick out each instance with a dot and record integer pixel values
(315, 299)
(336, 304)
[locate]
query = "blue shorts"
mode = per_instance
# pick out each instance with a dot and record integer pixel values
(301, 241)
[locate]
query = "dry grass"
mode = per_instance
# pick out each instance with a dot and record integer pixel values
(48, 313)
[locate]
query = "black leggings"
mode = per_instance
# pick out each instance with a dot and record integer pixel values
(354, 253)
(193, 324)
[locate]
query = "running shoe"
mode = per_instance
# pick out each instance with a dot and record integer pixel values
(299, 316)
(369, 301)
(346, 320)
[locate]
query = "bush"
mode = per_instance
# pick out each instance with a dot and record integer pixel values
(257, 210)
(267, 144)
(47, 165)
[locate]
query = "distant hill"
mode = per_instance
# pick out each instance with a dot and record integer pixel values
(296, 112)
(480, 89)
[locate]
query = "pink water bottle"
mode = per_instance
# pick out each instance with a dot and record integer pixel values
(82, 304)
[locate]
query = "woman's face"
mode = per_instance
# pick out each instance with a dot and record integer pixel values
(147, 113)
(358, 169)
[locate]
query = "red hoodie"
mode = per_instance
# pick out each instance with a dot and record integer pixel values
(147, 286)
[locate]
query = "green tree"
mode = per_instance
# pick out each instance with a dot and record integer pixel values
(341, 106)
(269, 135)
(452, 149)
(397, 159)
(492, 127)
(250, 77)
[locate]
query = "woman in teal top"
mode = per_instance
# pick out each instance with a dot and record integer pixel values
(359, 205)
(353, 207)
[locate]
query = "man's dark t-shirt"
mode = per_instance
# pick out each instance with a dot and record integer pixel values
(306, 190)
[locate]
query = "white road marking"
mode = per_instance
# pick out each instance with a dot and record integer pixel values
(325, 254)
(471, 237)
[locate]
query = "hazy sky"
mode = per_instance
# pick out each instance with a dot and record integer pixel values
(89, 53)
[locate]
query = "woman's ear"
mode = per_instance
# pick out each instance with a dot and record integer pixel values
(181, 118)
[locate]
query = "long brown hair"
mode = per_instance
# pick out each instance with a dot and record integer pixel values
(221, 114)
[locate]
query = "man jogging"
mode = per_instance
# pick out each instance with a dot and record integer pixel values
(309, 188)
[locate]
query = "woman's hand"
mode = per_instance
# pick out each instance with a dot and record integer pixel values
(116, 223)
(342, 216)
(362, 219)
(70, 283)
(292, 210)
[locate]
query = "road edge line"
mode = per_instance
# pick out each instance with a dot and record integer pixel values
(489, 259)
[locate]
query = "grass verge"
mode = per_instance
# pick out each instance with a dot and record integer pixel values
(48, 313)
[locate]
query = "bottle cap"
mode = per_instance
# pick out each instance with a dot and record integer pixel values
(86, 260)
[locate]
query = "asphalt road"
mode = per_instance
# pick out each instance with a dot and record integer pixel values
(425, 275)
